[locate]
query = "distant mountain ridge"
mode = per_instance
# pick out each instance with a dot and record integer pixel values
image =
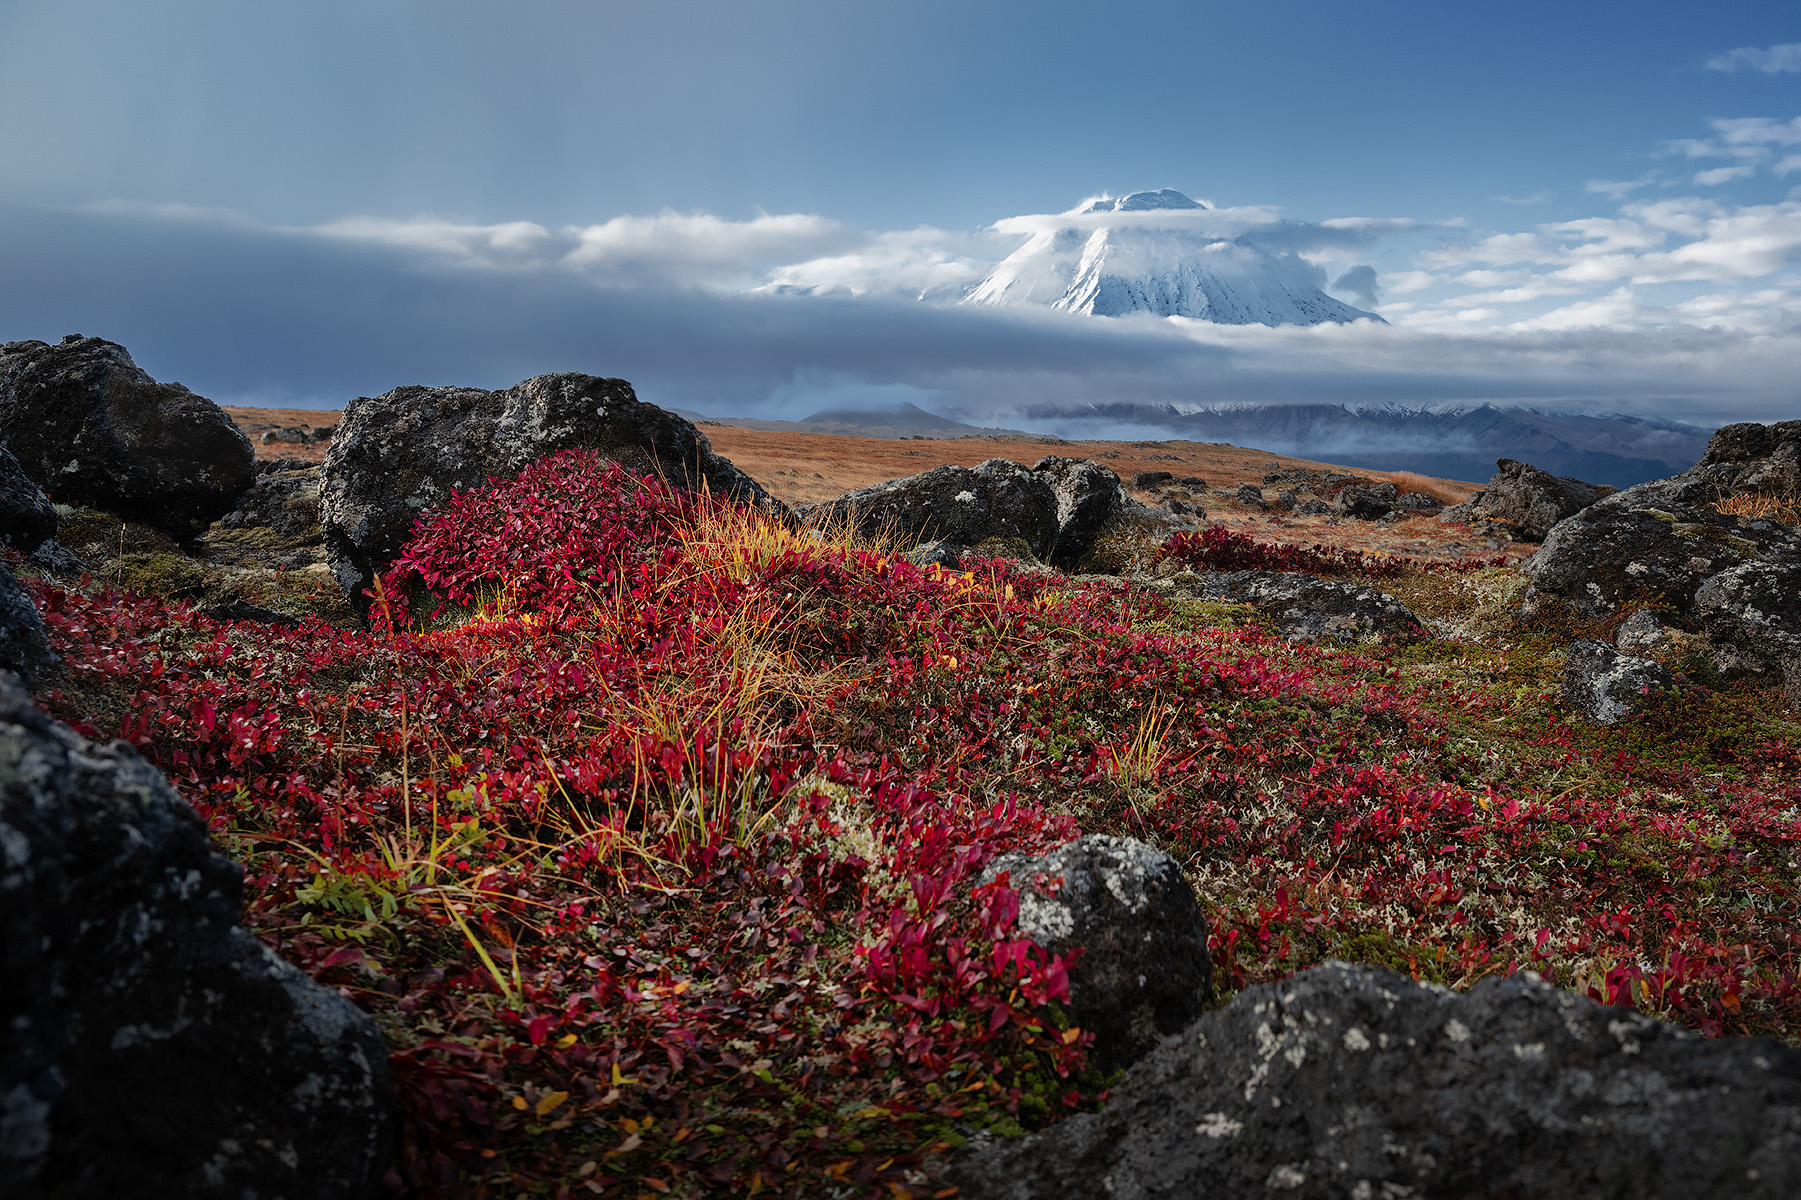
(1452, 442)
(1163, 269)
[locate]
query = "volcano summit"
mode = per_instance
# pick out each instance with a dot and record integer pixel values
(1157, 252)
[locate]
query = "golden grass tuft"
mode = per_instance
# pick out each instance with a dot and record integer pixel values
(1445, 491)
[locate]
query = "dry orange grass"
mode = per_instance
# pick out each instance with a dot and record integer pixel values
(1445, 491)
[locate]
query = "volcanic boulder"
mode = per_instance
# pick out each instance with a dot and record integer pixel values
(1089, 499)
(1347, 1081)
(151, 1047)
(1366, 501)
(27, 518)
(964, 506)
(399, 455)
(1143, 973)
(1306, 608)
(24, 645)
(1606, 686)
(1752, 616)
(91, 428)
(1527, 500)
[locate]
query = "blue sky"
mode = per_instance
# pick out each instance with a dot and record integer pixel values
(1587, 205)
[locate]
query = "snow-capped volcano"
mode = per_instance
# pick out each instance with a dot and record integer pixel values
(1167, 262)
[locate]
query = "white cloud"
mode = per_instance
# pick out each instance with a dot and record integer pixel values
(1538, 197)
(1771, 60)
(1619, 189)
(1719, 175)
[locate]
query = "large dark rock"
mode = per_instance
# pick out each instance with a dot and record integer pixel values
(27, 518)
(1528, 501)
(401, 454)
(1089, 499)
(964, 506)
(1366, 501)
(24, 645)
(1752, 616)
(1354, 1083)
(1606, 686)
(284, 500)
(1306, 608)
(91, 428)
(149, 1046)
(1144, 972)
(1664, 538)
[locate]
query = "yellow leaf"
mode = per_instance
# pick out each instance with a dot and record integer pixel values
(870, 1114)
(550, 1100)
(629, 1125)
(1070, 1036)
(621, 1080)
(519, 1103)
(566, 1041)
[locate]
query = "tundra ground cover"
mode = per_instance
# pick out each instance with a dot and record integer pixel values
(646, 826)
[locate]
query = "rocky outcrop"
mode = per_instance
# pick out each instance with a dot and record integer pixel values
(24, 645)
(1089, 500)
(1306, 608)
(1144, 972)
(960, 505)
(1354, 1082)
(151, 1047)
(91, 428)
(1606, 686)
(27, 518)
(399, 455)
(1526, 500)
(1667, 540)
(1366, 501)
(284, 500)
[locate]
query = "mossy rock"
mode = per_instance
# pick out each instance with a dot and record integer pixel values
(1014, 549)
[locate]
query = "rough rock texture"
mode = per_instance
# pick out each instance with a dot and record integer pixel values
(150, 1046)
(402, 453)
(1307, 608)
(1366, 501)
(1144, 972)
(1151, 479)
(1752, 616)
(1249, 494)
(24, 646)
(942, 554)
(1089, 499)
(91, 428)
(1419, 502)
(960, 505)
(1526, 500)
(1354, 1083)
(1662, 538)
(54, 558)
(284, 500)
(27, 518)
(1640, 631)
(1606, 686)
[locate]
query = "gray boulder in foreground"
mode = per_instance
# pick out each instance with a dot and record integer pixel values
(27, 518)
(1144, 972)
(1527, 500)
(149, 1046)
(399, 455)
(1090, 498)
(1355, 1083)
(91, 428)
(24, 644)
(1306, 608)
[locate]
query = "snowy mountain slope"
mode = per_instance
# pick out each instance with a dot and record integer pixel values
(1160, 267)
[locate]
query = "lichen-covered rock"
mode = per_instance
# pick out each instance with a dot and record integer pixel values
(1366, 501)
(399, 455)
(1089, 499)
(1528, 501)
(27, 518)
(91, 428)
(1306, 608)
(1149, 479)
(1250, 495)
(1606, 686)
(150, 1048)
(1751, 615)
(1640, 631)
(24, 645)
(1144, 972)
(1418, 502)
(284, 500)
(1354, 1083)
(961, 505)
(1664, 538)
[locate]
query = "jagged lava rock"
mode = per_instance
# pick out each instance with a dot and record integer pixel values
(27, 518)
(1144, 972)
(1089, 499)
(960, 505)
(1606, 686)
(1307, 608)
(1527, 500)
(284, 500)
(1752, 616)
(24, 644)
(401, 454)
(1357, 1083)
(1366, 501)
(1663, 538)
(151, 1047)
(91, 428)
